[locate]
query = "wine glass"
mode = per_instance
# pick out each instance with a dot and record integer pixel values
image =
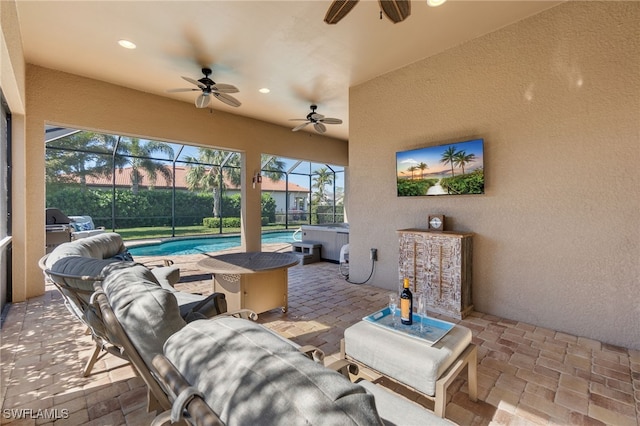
(422, 309)
(393, 304)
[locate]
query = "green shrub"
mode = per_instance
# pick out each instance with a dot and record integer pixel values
(268, 207)
(469, 183)
(149, 208)
(227, 222)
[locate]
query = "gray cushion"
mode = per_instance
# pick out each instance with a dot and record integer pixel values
(421, 364)
(167, 276)
(101, 246)
(85, 267)
(397, 410)
(148, 313)
(251, 377)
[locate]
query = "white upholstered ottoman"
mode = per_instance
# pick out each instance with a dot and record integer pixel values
(429, 369)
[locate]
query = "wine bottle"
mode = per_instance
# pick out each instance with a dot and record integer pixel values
(406, 304)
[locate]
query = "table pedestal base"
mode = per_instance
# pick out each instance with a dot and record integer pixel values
(259, 292)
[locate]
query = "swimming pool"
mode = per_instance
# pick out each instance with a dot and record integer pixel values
(204, 245)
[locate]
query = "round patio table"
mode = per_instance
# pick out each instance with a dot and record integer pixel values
(252, 280)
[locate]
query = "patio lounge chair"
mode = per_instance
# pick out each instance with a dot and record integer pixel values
(74, 268)
(140, 314)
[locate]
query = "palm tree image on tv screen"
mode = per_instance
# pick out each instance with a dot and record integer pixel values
(451, 169)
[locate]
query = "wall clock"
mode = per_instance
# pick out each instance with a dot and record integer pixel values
(436, 222)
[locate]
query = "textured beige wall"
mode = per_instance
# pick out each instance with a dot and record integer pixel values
(59, 98)
(557, 99)
(12, 84)
(11, 58)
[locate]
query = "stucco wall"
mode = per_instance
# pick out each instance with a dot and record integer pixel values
(557, 99)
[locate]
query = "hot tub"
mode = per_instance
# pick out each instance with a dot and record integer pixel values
(332, 236)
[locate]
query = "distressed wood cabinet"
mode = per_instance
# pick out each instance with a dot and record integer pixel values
(438, 265)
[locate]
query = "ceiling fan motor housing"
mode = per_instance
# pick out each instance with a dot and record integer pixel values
(311, 115)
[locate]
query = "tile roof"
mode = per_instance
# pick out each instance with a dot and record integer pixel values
(123, 179)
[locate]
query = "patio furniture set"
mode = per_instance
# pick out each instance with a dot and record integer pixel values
(60, 228)
(205, 365)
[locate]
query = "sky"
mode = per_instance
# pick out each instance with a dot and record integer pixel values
(432, 156)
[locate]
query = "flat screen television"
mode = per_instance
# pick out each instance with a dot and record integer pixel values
(451, 169)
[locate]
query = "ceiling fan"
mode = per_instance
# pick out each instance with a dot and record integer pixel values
(210, 88)
(318, 121)
(395, 10)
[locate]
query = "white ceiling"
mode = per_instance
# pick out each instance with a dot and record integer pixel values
(282, 45)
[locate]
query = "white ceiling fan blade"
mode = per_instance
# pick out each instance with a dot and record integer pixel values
(316, 116)
(224, 88)
(298, 119)
(329, 120)
(227, 99)
(181, 90)
(301, 126)
(192, 81)
(320, 128)
(202, 101)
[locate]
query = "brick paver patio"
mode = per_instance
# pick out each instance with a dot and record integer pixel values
(526, 374)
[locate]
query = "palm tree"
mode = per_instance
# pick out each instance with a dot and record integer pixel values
(137, 154)
(449, 157)
(211, 177)
(462, 159)
(77, 156)
(412, 169)
(323, 177)
(273, 167)
(422, 166)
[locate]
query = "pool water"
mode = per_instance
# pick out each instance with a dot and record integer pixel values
(204, 245)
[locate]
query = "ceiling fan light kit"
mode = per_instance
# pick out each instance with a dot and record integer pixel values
(202, 101)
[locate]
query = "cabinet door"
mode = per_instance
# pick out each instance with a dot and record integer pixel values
(444, 274)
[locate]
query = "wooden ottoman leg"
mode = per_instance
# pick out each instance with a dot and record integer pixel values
(472, 368)
(469, 357)
(440, 401)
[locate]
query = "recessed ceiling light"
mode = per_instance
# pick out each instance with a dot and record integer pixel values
(264, 90)
(435, 3)
(127, 44)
